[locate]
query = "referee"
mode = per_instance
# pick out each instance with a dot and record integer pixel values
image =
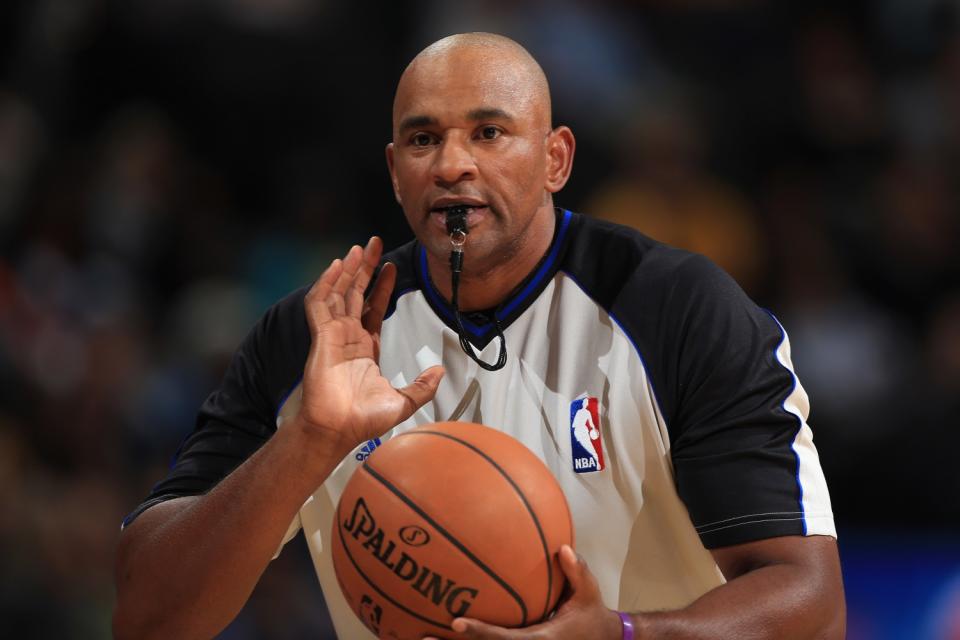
(663, 400)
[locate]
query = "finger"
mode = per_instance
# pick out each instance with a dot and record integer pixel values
(573, 566)
(421, 391)
(475, 630)
(335, 298)
(351, 264)
(315, 301)
(376, 347)
(580, 579)
(380, 298)
(368, 264)
(372, 253)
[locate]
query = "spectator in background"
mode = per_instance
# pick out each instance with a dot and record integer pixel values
(664, 190)
(229, 95)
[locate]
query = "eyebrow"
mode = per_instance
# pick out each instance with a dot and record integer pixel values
(489, 113)
(481, 113)
(414, 122)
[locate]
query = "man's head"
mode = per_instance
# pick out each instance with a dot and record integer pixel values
(472, 126)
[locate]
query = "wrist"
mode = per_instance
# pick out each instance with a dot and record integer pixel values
(627, 626)
(320, 450)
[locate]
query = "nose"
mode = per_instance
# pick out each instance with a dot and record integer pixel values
(453, 163)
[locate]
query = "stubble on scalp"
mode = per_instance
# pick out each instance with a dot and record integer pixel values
(489, 49)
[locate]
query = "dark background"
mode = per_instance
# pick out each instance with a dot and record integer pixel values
(168, 168)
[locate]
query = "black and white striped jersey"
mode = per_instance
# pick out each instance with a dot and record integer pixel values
(661, 397)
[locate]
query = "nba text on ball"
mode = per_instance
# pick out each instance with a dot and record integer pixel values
(429, 584)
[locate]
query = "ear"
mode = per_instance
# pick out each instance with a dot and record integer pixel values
(560, 148)
(393, 173)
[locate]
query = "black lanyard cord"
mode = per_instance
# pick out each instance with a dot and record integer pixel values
(457, 227)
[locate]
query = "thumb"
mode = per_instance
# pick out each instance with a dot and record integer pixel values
(421, 391)
(575, 568)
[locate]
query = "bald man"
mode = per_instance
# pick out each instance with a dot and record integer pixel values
(700, 508)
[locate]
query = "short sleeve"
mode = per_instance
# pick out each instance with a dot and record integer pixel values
(240, 415)
(743, 455)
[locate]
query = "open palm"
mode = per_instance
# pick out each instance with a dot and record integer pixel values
(344, 393)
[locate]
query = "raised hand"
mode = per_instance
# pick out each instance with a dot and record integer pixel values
(345, 397)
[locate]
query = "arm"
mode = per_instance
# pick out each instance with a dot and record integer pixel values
(185, 567)
(787, 587)
(778, 588)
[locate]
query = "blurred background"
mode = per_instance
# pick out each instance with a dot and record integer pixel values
(168, 168)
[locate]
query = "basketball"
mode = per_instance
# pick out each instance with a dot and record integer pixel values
(448, 520)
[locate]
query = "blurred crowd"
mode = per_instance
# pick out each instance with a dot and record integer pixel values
(170, 168)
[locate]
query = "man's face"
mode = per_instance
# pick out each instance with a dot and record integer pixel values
(470, 130)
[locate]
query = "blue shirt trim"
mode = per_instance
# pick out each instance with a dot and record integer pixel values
(286, 396)
(504, 311)
(545, 268)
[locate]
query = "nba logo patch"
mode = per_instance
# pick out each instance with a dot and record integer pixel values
(585, 439)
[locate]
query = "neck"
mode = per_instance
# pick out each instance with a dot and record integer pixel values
(486, 286)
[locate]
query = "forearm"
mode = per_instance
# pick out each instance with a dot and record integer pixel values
(778, 601)
(186, 567)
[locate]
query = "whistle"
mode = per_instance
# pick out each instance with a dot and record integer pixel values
(457, 220)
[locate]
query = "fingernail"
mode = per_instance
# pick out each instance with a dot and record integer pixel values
(459, 625)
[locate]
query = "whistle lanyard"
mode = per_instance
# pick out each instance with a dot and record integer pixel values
(457, 228)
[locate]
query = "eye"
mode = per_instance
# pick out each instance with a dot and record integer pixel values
(490, 132)
(421, 139)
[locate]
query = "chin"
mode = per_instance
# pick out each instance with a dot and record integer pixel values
(437, 247)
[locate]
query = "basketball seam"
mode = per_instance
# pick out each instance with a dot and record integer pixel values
(523, 498)
(459, 545)
(370, 582)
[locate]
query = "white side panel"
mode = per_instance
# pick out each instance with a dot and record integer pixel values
(817, 511)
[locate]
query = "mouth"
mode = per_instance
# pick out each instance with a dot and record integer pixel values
(475, 211)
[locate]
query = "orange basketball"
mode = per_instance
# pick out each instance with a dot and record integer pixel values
(447, 520)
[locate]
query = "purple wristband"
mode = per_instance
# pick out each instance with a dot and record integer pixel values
(627, 625)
